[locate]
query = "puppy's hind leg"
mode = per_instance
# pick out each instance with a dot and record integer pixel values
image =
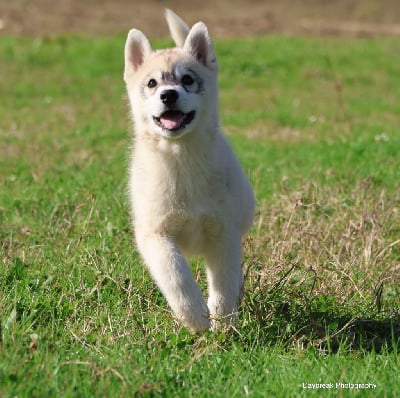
(175, 280)
(225, 281)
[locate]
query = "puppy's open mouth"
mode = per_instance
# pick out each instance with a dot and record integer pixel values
(174, 120)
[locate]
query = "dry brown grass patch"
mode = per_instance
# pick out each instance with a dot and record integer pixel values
(327, 242)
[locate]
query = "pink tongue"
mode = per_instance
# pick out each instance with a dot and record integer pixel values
(172, 120)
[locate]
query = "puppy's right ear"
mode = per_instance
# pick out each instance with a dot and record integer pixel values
(137, 48)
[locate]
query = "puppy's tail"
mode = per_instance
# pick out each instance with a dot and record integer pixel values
(177, 28)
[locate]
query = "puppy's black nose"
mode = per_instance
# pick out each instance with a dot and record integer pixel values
(169, 97)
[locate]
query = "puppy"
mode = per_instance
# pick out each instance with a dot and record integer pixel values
(188, 193)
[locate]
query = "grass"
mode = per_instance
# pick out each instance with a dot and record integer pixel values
(315, 124)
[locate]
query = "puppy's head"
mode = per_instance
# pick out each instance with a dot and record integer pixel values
(174, 91)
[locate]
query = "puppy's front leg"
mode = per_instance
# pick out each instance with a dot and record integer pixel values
(225, 281)
(174, 278)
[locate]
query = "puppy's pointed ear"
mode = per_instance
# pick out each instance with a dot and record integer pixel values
(137, 48)
(177, 28)
(199, 44)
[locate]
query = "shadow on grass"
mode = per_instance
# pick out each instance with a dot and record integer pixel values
(293, 318)
(297, 327)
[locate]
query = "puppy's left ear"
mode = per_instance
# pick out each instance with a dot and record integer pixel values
(137, 49)
(177, 27)
(199, 44)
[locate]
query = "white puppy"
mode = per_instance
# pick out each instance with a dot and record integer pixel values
(188, 193)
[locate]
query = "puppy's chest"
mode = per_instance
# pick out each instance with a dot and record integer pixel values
(185, 186)
(188, 205)
(188, 197)
(192, 231)
(190, 215)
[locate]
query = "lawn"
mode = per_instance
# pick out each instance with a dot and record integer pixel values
(315, 123)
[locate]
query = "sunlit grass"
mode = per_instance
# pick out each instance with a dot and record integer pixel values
(314, 123)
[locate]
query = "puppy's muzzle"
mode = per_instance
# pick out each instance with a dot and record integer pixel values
(172, 119)
(169, 97)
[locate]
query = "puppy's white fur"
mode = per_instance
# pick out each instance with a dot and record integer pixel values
(188, 193)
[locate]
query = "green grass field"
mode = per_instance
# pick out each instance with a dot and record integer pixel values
(315, 122)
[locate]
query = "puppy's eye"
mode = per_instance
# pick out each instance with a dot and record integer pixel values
(152, 83)
(187, 80)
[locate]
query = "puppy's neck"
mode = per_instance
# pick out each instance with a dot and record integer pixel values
(192, 144)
